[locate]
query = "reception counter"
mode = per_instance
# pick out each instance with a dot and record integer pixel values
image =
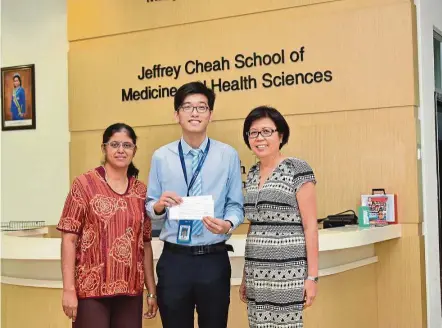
(31, 261)
(31, 268)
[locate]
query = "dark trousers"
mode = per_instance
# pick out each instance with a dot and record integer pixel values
(186, 282)
(111, 312)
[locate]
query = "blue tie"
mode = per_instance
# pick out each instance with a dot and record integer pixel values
(196, 188)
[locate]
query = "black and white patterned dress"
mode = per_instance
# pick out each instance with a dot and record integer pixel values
(275, 257)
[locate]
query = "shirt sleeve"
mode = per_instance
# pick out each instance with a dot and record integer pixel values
(303, 174)
(154, 190)
(74, 210)
(234, 203)
(147, 228)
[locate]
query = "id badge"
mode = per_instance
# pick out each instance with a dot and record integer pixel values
(184, 232)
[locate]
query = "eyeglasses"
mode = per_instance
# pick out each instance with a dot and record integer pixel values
(199, 109)
(264, 133)
(116, 144)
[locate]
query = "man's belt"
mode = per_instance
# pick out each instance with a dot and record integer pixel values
(198, 250)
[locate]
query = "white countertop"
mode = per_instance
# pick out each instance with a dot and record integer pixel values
(30, 260)
(15, 247)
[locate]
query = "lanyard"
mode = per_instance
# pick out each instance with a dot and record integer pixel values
(198, 169)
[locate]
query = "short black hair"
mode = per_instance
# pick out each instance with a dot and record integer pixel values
(194, 88)
(264, 111)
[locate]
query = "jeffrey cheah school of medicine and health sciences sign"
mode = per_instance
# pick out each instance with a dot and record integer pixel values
(241, 83)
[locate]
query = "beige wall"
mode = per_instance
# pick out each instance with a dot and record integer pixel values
(358, 131)
(35, 163)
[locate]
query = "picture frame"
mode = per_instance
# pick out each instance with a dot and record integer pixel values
(381, 208)
(18, 97)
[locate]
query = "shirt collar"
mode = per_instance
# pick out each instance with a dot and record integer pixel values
(187, 148)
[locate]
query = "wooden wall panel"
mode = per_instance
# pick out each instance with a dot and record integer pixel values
(346, 300)
(358, 290)
(368, 49)
(351, 153)
(401, 283)
(103, 17)
(91, 19)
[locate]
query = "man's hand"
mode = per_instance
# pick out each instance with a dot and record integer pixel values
(167, 199)
(217, 226)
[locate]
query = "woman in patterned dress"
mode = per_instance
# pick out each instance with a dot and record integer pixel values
(281, 258)
(106, 253)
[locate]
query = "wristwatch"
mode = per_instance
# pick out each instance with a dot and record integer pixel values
(151, 296)
(314, 279)
(231, 228)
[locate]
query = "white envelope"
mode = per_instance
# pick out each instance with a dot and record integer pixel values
(193, 208)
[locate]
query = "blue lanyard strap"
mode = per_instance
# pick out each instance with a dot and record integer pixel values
(198, 169)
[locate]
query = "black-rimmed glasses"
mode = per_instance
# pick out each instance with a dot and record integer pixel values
(199, 109)
(264, 133)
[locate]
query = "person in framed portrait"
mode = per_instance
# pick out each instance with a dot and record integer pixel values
(18, 102)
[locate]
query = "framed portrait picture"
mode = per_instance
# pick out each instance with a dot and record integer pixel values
(18, 97)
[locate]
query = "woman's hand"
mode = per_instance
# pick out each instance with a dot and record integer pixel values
(70, 304)
(152, 308)
(242, 291)
(310, 289)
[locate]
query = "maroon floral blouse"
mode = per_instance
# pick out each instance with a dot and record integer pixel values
(112, 229)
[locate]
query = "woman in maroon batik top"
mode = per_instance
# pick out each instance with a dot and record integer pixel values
(106, 251)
